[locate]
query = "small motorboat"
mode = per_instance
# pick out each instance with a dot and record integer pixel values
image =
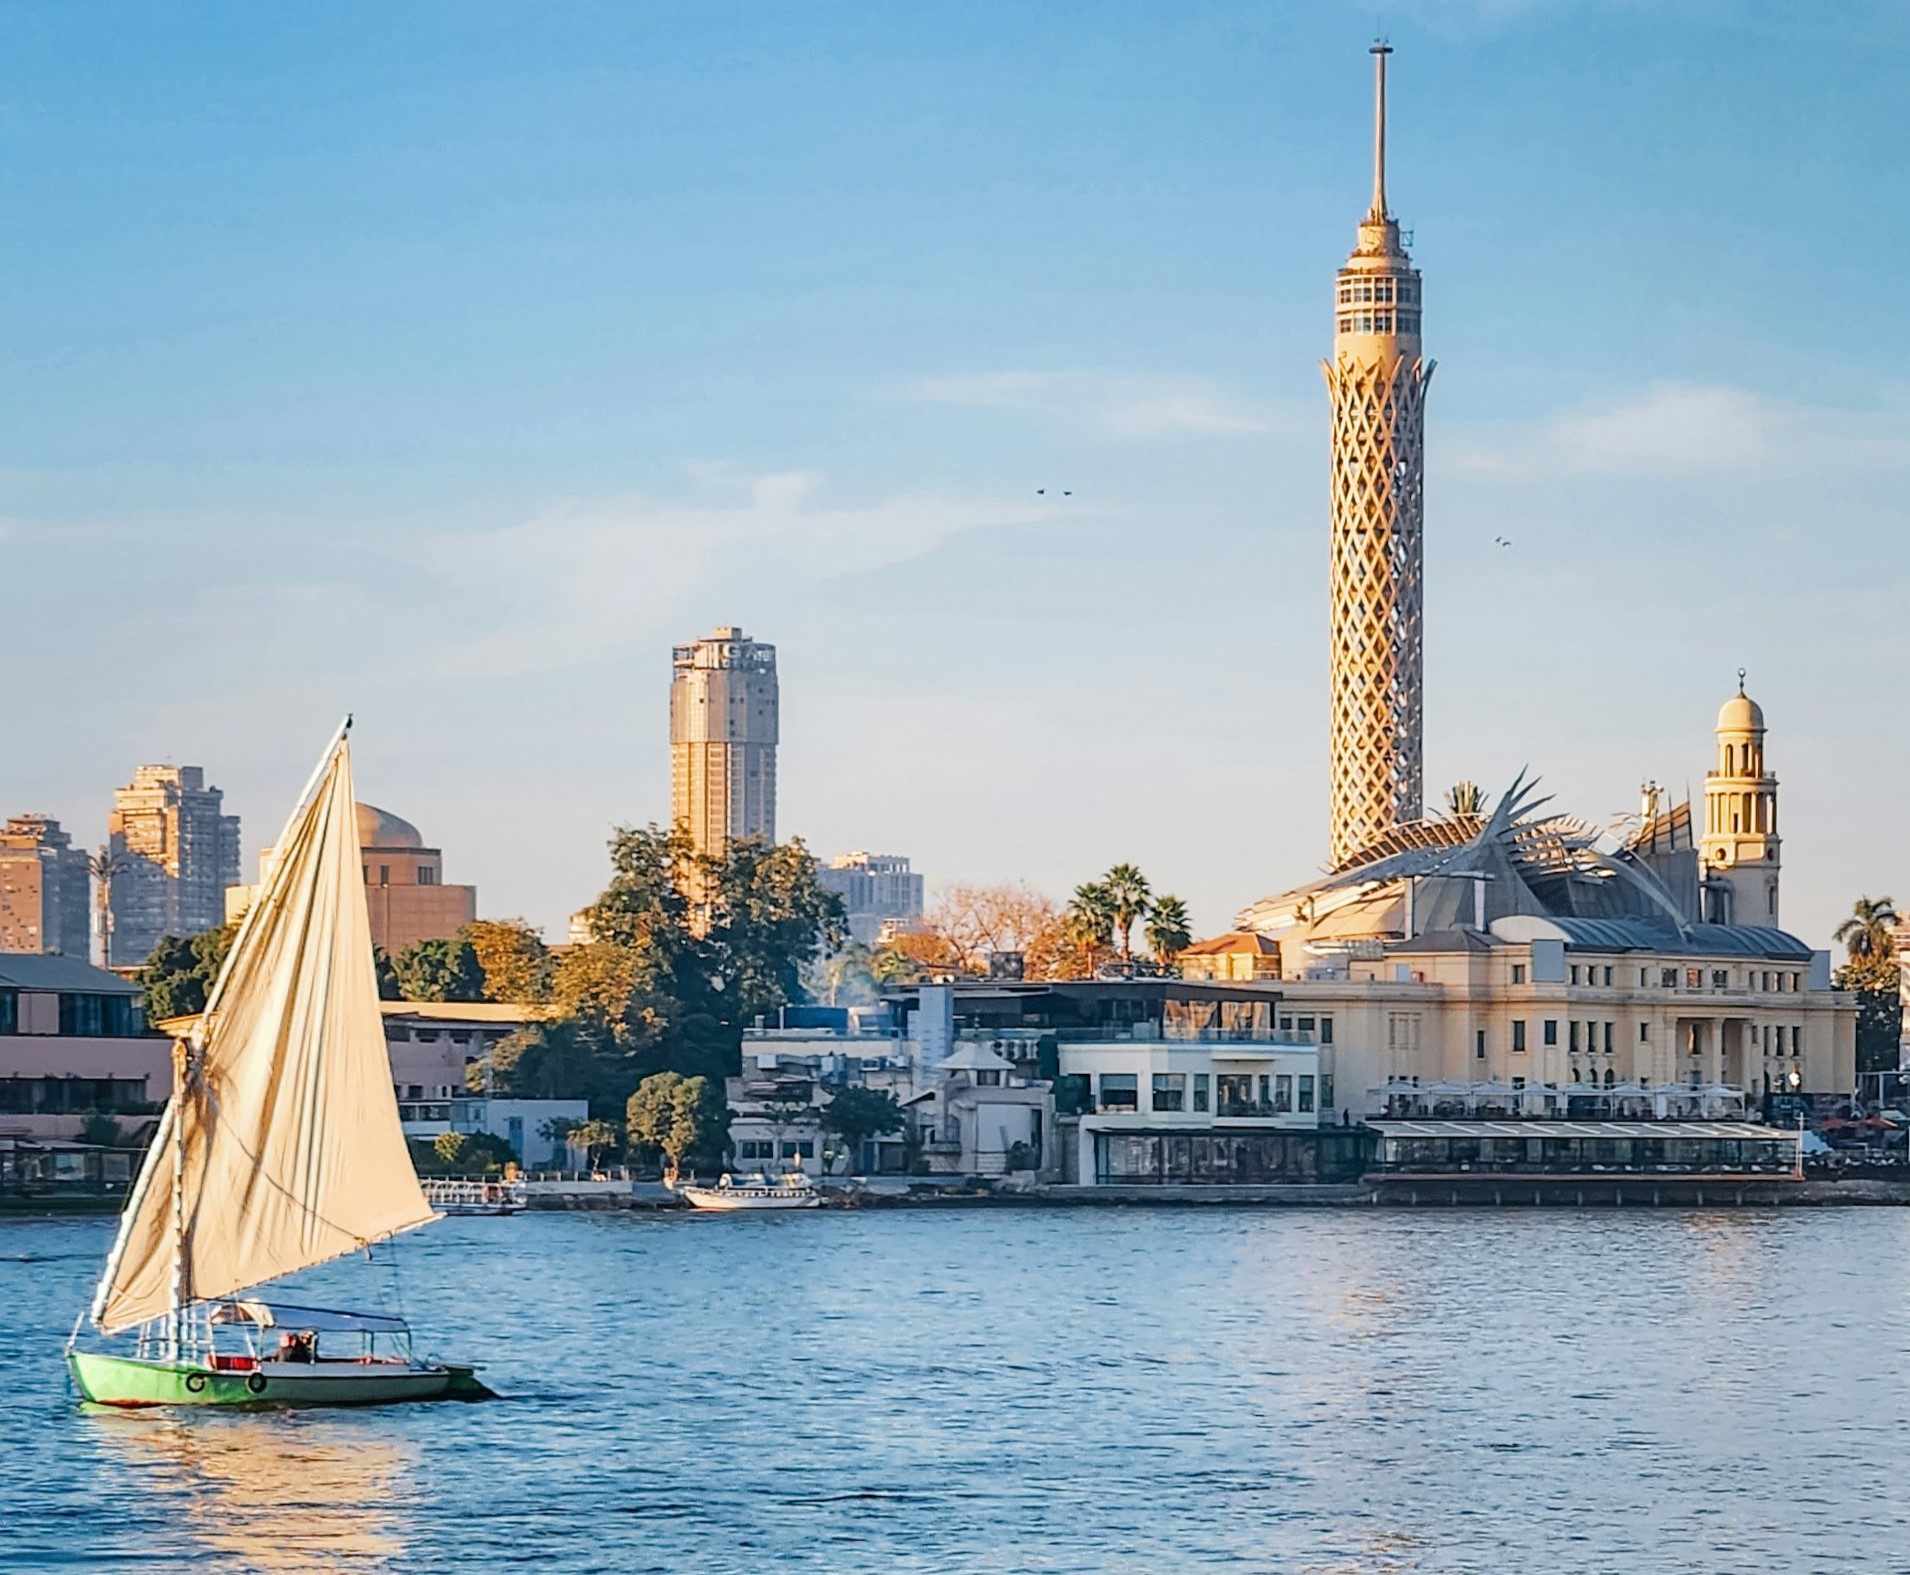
(475, 1197)
(760, 1190)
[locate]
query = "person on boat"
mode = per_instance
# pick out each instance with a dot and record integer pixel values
(301, 1346)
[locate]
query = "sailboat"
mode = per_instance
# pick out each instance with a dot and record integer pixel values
(280, 1149)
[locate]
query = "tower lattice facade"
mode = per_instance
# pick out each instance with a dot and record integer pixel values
(1376, 383)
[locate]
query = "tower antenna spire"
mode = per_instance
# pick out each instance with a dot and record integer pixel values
(1381, 49)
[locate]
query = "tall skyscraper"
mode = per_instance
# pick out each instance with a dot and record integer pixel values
(723, 725)
(177, 851)
(45, 890)
(1376, 384)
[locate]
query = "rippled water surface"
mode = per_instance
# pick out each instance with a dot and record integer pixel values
(1011, 1390)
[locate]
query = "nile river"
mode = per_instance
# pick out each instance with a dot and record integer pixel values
(1022, 1390)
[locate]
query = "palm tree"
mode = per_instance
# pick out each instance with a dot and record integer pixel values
(1089, 922)
(1128, 894)
(1866, 933)
(1168, 931)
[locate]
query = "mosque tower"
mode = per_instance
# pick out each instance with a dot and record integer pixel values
(1738, 854)
(1376, 383)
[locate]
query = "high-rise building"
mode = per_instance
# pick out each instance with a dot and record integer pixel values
(45, 889)
(877, 889)
(723, 722)
(176, 851)
(1738, 853)
(1376, 383)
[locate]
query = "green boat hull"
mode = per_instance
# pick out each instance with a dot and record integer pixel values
(127, 1381)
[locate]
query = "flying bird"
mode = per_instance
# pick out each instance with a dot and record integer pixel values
(1501, 541)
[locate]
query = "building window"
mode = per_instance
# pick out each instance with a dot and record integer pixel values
(1551, 1033)
(1306, 1025)
(1668, 978)
(1518, 973)
(1120, 1091)
(799, 1148)
(1266, 1093)
(1797, 1040)
(1306, 1094)
(1608, 976)
(1233, 1094)
(1780, 1041)
(1518, 1035)
(1286, 1025)
(1200, 1090)
(427, 876)
(384, 874)
(1326, 1030)
(1170, 1090)
(1608, 1039)
(1574, 973)
(1574, 1044)
(1694, 978)
(1282, 1094)
(1326, 1091)
(1479, 1045)
(1644, 1033)
(1719, 978)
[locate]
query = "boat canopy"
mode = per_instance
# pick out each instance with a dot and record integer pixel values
(320, 1320)
(281, 1146)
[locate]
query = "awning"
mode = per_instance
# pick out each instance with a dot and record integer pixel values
(322, 1320)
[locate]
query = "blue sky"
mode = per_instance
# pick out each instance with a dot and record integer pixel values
(445, 363)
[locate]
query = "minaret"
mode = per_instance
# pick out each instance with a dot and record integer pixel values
(1376, 383)
(1738, 855)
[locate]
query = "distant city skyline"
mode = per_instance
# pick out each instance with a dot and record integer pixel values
(446, 367)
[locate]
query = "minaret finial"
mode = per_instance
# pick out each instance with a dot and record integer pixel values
(1740, 680)
(1381, 49)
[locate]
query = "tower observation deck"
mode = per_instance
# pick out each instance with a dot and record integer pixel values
(1376, 385)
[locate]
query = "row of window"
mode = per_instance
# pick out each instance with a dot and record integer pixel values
(1597, 1037)
(1773, 980)
(85, 1016)
(1377, 292)
(1320, 1028)
(1379, 322)
(765, 1148)
(1227, 1094)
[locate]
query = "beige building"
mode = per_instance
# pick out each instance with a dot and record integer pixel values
(1376, 386)
(1513, 944)
(1739, 851)
(1238, 955)
(723, 731)
(405, 890)
(45, 889)
(176, 851)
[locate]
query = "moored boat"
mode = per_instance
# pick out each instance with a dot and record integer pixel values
(279, 1150)
(758, 1191)
(476, 1197)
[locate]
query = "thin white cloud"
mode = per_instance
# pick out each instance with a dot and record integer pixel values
(1697, 428)
(585, 580)
(1136, 407)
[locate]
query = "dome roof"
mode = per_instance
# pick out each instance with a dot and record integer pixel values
(378, 828)
(1741, 714)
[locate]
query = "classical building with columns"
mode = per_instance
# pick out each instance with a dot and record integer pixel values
(1511, 944)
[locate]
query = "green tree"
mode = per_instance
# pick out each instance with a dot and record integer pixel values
(513, 958)
(1128, 894)
(179, 974)
(1168, 930)
(101, 1129)
(448, 1146)
(679, 1117)
(1088, 923)
(596, 1138)
(439, 970)
(388, 987)
(858, 1114)
(564, 1058)
(768, 916)
(1868, 942)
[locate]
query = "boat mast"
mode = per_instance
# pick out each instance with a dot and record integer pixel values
(181, 1256)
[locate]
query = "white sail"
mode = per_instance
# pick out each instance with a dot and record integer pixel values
(291, 1153)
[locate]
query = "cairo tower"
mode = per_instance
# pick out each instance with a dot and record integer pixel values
(1376, 382)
